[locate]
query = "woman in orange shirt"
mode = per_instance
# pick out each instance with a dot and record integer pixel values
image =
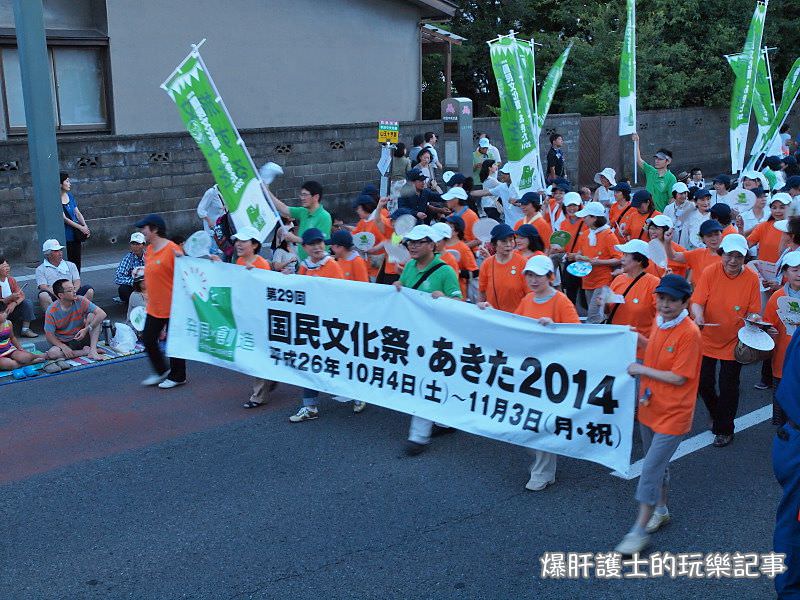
(657, 227)
(573, 225)
(547, 305)
(531, 205)
(622, 204)
(365, 206)
(467, 266)
(159, 268)
(529, 242)
(596, 245)
(501, 282)
(354, 268)
(632, 223)
(697, 259)
(725, 294)
(791, 271)
(765, 235)
(669, 381)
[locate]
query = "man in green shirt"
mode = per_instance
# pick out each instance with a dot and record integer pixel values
(659, 178)
(428, 273)
(311, 215)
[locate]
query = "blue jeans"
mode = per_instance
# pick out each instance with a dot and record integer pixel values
(310, 398)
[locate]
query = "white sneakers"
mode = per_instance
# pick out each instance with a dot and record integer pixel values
(168, 384)
(306, 413)
(155, 379)
(538, 486)
(632, 543)
(656, 522)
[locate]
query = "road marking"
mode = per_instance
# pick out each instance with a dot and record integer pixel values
(702, 440)
(83, 270)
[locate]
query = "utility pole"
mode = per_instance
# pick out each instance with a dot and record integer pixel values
(39, 119)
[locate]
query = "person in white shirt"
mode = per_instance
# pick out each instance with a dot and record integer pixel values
(679, 211)
(211, 208)
(430, 142)
(607, 178)
(758, 214)
(701, 214)
(54, 268)
(722, 185)
(508, 194)
(696, 179)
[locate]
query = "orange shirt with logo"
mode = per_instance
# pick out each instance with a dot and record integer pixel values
(354, 269)
(542, 226)
(670, 409)
(768, 239)
(639, 308)
(503, 284)
(603, 250)
(726, 300)
(159, 268)
(636, 223)
(783, 339)
(330, 269)
(259, 263)
(558, 308)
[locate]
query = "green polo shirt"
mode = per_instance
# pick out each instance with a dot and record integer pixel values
(659, 186)
(319, 219)
(443, 279)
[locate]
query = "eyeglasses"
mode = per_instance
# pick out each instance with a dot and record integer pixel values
(418, 242)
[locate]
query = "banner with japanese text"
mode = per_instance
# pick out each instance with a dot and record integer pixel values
(559, 388)
(207, 119)
(627, 74)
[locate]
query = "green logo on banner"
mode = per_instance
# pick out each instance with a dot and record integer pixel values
(218, 332)
(526, 180)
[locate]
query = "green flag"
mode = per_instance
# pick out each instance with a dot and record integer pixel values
(512, 64)
(791, 89)
(745, 66)
(627, 75)
(206, 118)
(549, 87)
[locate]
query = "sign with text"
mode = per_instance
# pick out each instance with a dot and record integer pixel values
(388, 132)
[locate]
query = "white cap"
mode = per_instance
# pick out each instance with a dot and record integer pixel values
(632, 246)
(137, 237)
(680, 187)
(539, 264)
(455, 193)
(420, 232)
(51, 245)
(782, 225)
(447, 175)
(506, 168)
(609, 174)
(734, 242)
(248, 232)
(781, 197)
(483, 143)
(592, 209)
(757, 176)
(791, 259)
(661, 221)
(443, 230)
(574, 198)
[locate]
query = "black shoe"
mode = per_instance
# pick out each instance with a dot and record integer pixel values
(720, 441)
(414, 449)
(439, 430)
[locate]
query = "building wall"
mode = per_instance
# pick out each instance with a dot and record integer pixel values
(264, 56)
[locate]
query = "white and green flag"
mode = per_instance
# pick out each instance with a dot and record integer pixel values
(550, 86)
(512, 63)
(207, 119)
(745, 66)
(627, 75)
(791, 90)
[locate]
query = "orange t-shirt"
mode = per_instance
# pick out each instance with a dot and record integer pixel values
(726, 300)
(698, 259)
(542, 226)
(783, 339)
(729, 230)
(604, 250)
(674, 266)
(574, 230)
(553, 211)
(503, 284)
(389, 267)
(615, 211)
(372, 227)
(671, 407)
(768, 239)
(159, 268)
(330, 269)
(354, 269)
(639, 309)
(470, 218)
(636, 223)
(466, 262)
(449, 259)
(558, 308)
(259, 263)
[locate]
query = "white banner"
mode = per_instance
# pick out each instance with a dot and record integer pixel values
(561, 388)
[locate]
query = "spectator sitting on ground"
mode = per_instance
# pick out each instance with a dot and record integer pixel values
(138, 296)
(18, 308)
(72, 324)
(54, 268)
(128, 264)
(12, 356)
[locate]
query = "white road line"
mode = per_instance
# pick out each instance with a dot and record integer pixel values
(702, 440)
(83, 270)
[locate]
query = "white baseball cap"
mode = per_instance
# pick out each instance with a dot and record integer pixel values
(791, 259)
(137, 237)
(483, 143)
(680, 187)
(592, 209)
(443, 230)
(51, 245)
(757, 176)
(248, 232)
(447, 175)
(781, 197)
(574, 198)
(661, 221)
(420, 232)
(734, 242)
(506, 168)
(455, 193)
(782, 225)
(539, 264)
(632, 246)
(609, 174)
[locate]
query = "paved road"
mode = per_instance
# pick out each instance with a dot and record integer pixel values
(109, 490)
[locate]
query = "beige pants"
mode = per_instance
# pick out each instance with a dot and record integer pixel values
(262, 389)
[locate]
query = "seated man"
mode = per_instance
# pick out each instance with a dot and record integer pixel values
(72, 324)
(54, 268)
(19, 309)
(133, 259)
